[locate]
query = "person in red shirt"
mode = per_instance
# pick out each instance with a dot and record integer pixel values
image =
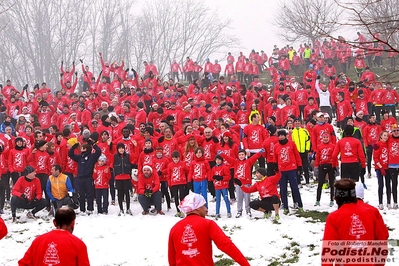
(216, 69)
(387, 121)
(289, 164)
(101, 177)
(325, 165)
(352, 155)
(177, 180)
(380, 157)
(197, 250)
(267, 188)
(148, 190)
(70, 250)
(354, 221)
(27, 194)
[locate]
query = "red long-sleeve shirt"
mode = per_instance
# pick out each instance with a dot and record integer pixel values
(190, 243)
(242, 168)
(380, 155)
(177, 173)
(354, 221)
(199, 170)
(151, 182)
(40, 160)
(101, 176)
(17, 160)
(255, 135)
(351, 151)
(221, 170)
(267, 187)
(287, 156)
(324, 155)
(32, 188)
(69, 249)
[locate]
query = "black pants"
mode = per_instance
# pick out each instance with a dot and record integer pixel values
(165, 192)
(155, 199)
(84, 186)
(350, 170)
(231, 185)
(112, 185)
(369, 153)
(271, 169)
(17, 202)
(265, 203)
(393, 174)
(211, 187)
(178, 192)
(189, 76)
(15, 176)
(4, 189)
(175, 76)
(240, 76)
(392, 109)
(377, 111)
(305, 166)
(325, 169)
(43, 182)
(102, 200)
(123, 187)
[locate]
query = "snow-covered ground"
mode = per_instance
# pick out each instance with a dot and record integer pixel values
(143, 240)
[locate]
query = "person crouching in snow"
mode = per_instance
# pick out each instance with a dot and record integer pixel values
(267, 188)
(221, 177)
(148, 190)
(243, 172)
(101, 176)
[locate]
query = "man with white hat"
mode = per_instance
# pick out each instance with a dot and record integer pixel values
(189, 238)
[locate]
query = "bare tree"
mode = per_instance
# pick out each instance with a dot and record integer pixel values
(306, 20)
(176, 29)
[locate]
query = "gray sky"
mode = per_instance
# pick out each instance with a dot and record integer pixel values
(251, 22)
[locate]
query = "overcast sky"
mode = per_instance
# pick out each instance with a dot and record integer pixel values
(251, 22)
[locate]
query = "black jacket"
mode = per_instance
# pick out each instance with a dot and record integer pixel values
(122, 164)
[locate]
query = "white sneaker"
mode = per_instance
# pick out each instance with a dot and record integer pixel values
(129, 212)
(89, 212)
(395, 206)
(229, 215)
(389, 206)
(239, 214)
(381, 206)
(249, 214)
(120, 213)
(135, 197)
(213, 199)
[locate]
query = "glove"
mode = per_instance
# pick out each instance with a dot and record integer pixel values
(189, 185)
(238, 182)
(81, 61)
(73, 62)
(300, 170)
(219, 152)
(34, 201)
(383, 172)
(61, 74)
(127, 70)
(159, 173)
(318, 77)
(218, 177)
(262, 150)
(363, 172)
(315, 172)
(375, 146)
(148, 193)
(23, 196)
(75, 145)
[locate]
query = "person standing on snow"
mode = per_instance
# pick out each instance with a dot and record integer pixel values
(190, 240)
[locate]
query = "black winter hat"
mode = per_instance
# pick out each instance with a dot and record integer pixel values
(40, 143)
(272, 130)
(219, 157)
(29, 169)
(282, 133)
(262, 171)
